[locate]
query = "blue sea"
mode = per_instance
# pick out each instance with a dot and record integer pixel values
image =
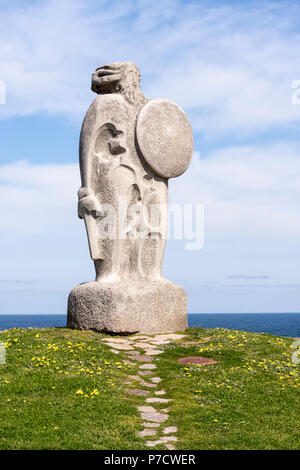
(280, 324)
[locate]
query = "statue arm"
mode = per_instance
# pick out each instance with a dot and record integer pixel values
(88, 203)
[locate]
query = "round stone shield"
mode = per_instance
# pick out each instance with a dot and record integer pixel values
(165, 137)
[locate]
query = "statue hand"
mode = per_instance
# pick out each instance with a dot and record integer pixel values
(88, 203)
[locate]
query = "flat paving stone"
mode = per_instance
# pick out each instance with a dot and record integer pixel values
(115, 351)
(148, 366)
(155, 416)
(153, 352)
(146, 384)
(155, 380)
(143, 345)
(134, 353)
(170, 429)
(138, 337)
(160, 392)
(159, 342)
(137, 357)
(169, 438)
(124, 347)
(162, 440)
(138, 392)
(117, 340)
(145, 359)
(157, 400)
(170, 447)
(152, 443)
(146, 409)
(130, 363)
(150, 425)
(145, 372)
(147, 432)
(169, 336)
(135, 377)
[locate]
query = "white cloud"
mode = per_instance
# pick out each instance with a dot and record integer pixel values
(231, 67)
(249, 193)
(37, 199)
(42, 238)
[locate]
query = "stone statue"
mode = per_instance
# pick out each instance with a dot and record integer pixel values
(129, 147)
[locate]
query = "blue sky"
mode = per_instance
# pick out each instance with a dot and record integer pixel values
(231, 66)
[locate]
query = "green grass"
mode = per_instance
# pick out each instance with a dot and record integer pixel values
(64, 389)
(248, 400)
(40, 399)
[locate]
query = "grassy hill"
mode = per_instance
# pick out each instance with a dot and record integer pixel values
(64, 389)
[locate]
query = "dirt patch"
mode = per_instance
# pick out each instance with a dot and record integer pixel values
(196, 360)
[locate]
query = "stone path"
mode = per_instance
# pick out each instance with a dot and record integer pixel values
(142, 349)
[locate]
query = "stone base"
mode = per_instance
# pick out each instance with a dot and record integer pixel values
(128, 307)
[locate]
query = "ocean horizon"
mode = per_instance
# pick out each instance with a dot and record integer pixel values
(280, 324)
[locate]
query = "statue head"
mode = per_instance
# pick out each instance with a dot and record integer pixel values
(117, 77)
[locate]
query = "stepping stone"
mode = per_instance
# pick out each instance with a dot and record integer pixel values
(170, 447)
(130, 363)
(170, 336)
(150, 425)
(148, 413)
(153, 352)
(146, 409)
(165, 410)
(133, 357)
(148, 366)
(134, 353)
(144, 345)
(147, 432)
(169, 438)
(161, 441)
(152, 443)
(145, 358)
(138, 392)
(155, 380)
(146, 384)
(154, 416)
(160, 392)
(159, 342)
(115, 351)
(125, 347)
(117, 340)
(170, 429)
(139, 337)
(139, 358)
(145, 372)
(157, 400)
(135, 377)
